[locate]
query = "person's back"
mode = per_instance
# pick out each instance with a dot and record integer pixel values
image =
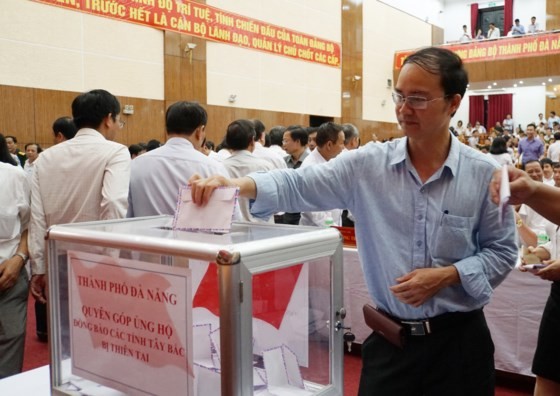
(82, 179)
(157, 175)
(240, 137)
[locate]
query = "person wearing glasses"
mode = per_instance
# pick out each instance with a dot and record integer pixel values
(432, 245)
(82, 179)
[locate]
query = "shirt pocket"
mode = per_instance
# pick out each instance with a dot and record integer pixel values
(453, 238)
(9, 223)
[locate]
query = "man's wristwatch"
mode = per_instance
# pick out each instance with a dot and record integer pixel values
(23, 256)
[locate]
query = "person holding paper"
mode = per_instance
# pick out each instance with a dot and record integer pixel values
(432, 246)
(545, 200)
(157, 175)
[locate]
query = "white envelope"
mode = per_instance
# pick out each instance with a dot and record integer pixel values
(215, 216)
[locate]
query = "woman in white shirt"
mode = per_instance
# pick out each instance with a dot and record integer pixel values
(14, 218)
(499, 152)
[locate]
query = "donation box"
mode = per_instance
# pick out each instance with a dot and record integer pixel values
(137, 308)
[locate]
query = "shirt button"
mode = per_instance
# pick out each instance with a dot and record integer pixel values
(420, 217)
(418, 243)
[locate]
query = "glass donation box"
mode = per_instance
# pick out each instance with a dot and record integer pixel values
(137, 308)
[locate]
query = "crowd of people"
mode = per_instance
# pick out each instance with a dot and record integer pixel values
(514, 145)
(433, 247)
(517, 29)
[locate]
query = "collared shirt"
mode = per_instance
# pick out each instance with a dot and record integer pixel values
(82, 179)
(296, 164)
(269, 155)
(403, 224)
(554, 151)
(518, 30)
(531, 149)
(318, 219)
(240, 164)
(533, 28)
(156, 176)
(14, 208)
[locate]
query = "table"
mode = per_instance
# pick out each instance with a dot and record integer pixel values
(513, 315)
(34, 382)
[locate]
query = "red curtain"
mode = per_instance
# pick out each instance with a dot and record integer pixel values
(474, 19)
(476, 109)
(498, 107)
(508, 16)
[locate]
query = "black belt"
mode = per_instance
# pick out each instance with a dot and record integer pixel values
(422, 327)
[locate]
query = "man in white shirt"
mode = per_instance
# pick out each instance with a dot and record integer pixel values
(465, 36)
(552, 119)
(546, 165)
(240, 138)
(351, 136)
(330, 143)
(554, 148)
(533, 26)
(156, 176)
(81, 179)
(276, 135)
(275, 158)
(493, 31)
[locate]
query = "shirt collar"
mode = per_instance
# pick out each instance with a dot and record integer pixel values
(400, 154)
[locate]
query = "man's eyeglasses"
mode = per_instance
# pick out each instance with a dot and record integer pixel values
(414, 102)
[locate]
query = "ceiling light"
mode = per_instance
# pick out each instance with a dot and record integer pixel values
(495, 83)
(550, 80)
(489, 87)
(520, 82)
(514, 85)
(543, 83)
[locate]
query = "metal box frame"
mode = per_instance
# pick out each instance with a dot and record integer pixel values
(254, 249)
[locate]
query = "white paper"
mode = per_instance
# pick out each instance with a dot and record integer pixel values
(215, 216)
(504, 192)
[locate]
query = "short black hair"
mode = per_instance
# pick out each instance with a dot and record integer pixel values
(153, 144)
(66, 126)
(240, 134)
(259, 127)
(5, 155)
(327, 132)
(135, 149)
(545, 161)
(517, 20)
(532, 124)
(298, 133)
(531, 162)
(445, 63)
(184, 117)
(39, 148)
(499, 146)
(14, 139)
(276, 135)
(556, 136)
(89, 109)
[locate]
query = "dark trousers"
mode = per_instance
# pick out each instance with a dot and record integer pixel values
(453, 361)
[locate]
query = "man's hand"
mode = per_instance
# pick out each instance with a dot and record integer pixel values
(9, 272)
(416, 287)
(202, 189)
(551, 272)
(520, 184)
(38, 288)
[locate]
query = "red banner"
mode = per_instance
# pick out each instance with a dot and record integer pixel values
(213, 24)
(487, 50)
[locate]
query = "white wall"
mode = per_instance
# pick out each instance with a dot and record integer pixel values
(43, 46)
(457, 13)
(378, 54)
(527, 103)
(426, 10)
(271, 82)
